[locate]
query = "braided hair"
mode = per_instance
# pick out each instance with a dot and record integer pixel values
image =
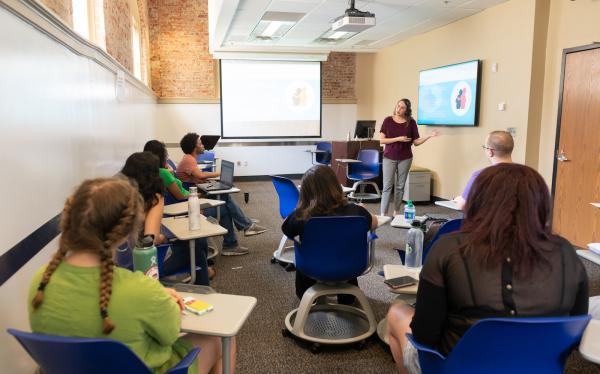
(98, 216)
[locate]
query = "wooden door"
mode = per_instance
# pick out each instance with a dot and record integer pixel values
(577, 163)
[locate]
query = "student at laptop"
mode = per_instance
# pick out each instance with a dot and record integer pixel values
(188, 171)
(498, 148)
(174, 187)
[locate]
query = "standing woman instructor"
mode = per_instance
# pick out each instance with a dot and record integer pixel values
(398, 132)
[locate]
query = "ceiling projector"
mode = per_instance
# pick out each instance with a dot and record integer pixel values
(353, 20)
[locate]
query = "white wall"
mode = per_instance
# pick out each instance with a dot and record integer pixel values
(60, 124)
(175, 120)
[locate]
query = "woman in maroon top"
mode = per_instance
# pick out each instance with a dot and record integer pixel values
(398, 132)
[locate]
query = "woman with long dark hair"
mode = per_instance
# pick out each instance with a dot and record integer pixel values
(398, 133)
(142, 167)
(504, 262)
(321, 195)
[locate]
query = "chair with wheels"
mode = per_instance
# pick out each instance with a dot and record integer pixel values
(322, 154)
(70, 355)
(508, 345)
(362, 172)
(324, 242)
(288, 195)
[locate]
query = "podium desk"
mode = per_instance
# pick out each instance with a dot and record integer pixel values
(227, 318)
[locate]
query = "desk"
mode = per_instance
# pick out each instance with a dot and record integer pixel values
(182, 207)
(589, 255)
(406, 294)
(400, 222)
(229, 315)
(179, 226)
(590, 342)
(450, 204)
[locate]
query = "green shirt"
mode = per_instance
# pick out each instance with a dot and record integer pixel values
(146, 318)
(168, 178)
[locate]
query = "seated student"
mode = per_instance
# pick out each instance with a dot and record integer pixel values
(176, 189)
(504, 262)
(81, 293)
(188, 171)
(321, 195)
(498, 148)
(142, 167)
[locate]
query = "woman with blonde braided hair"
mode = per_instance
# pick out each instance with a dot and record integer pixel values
(81, 292)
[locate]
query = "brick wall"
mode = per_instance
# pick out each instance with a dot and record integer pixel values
(338, 74)
(117, 22)
(181, 66)
(62, 8)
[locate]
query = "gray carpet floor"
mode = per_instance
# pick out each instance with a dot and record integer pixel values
(261, 346)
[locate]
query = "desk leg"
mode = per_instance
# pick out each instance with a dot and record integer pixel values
(226, 347)
(192, 243)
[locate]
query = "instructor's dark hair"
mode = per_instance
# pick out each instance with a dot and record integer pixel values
(188, 142)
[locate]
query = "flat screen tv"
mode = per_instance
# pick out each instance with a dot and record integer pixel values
(364, 129)
(449, 95)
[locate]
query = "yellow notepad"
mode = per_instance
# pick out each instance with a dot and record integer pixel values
(196, 306)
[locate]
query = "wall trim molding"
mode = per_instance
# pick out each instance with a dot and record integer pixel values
(338, 101)
(45, 21)
(190, 100)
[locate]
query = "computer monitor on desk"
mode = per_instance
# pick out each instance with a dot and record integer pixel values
(364, 129)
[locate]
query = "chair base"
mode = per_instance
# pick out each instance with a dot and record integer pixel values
(283, 254)
(213, 248)
(361, 194)
(334, 324)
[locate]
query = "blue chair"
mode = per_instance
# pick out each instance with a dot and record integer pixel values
(362, 173)
(69, 355)
(333, 250)
(508, 345)
(446, 228)
(323, 154)
(288, 195)
(172, 164)
(207, 158)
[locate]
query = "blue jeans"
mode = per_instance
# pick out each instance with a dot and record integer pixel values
(179, 260)
(231, 215)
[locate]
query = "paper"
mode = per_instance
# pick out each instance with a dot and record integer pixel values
(597, 205)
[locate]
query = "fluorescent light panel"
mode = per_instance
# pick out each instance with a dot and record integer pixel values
(274, 25)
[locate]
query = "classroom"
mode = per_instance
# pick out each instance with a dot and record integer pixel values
(87, 83)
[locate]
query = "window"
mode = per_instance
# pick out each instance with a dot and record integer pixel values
(81, 18)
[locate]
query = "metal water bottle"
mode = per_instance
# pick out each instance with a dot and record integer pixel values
(194, 209)
(414, 246)
(145, 257)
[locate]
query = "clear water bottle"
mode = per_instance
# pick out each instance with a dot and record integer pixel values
(145, 258)
(409, 211)
(414, 246)
(194, 209)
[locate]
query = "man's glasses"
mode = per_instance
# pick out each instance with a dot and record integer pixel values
(488, 148)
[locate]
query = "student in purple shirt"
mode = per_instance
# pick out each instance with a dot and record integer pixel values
(398, 132)
(498, 149)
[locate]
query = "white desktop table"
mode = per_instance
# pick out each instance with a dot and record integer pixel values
(589, 347)
(450, 204)
(401, 223)
(229, 315)
(407, 294)
(179, 226)
(182, 207)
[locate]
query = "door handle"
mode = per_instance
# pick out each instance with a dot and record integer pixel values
(561, 156)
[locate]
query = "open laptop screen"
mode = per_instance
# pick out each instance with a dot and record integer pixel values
(227, 172)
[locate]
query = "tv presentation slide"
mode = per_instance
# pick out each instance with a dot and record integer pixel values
(266, 99)
(447, 95)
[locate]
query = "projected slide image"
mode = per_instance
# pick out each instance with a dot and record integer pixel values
(267, 99)
(447, 95)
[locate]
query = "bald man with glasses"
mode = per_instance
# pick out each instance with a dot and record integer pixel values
(498, 148)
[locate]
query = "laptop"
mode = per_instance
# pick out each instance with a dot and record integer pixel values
(209, 141)
(226, 181)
